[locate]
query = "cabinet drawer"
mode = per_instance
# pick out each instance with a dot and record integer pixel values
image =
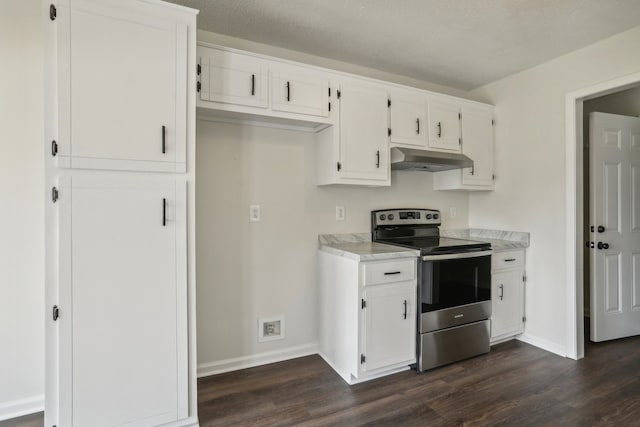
(388, 272)
(510, 259)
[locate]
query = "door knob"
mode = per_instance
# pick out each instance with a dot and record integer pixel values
(603, 245)
(600, 229)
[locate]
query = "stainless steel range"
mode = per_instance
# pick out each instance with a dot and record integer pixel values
(454, 285)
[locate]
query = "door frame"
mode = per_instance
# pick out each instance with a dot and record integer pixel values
(574, 207)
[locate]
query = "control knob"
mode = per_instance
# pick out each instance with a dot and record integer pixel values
(390, 217)
(383, 217)
(436, 216)
(428, 216)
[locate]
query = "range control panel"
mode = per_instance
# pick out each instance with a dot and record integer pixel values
(405, 217)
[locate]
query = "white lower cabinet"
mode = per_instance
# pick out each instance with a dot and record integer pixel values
(368, 321)
(507, 294)
(123, 300)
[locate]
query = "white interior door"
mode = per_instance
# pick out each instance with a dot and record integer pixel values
(124, 271)
(615, 216)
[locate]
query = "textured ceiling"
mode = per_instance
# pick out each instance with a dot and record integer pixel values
(458, 43)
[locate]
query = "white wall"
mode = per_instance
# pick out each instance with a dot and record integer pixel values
(530, 169)
(278, 52)
(22, 208)
(250, 270)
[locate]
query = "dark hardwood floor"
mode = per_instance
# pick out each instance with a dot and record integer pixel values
(514, 385)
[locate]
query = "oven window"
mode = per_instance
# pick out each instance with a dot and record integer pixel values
(455, 282)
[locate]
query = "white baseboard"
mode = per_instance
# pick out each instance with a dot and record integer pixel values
(20, 407)
(543, 344)
(236, 363)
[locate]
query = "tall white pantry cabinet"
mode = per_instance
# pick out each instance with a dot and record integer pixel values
(120, 213)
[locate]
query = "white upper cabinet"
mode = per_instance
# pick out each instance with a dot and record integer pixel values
(407, 112)
(122, 86)
(444, 124)
(477, 144)
(299, 90)
(233, 78)
(364, 146)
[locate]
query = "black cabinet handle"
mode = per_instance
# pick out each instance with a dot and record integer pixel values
(418, 126)
(288, 92)
(164, 139)
(405, 309)
(509, 260)
(439, 130)
(164, 212)
(378, 159)
(253, 84)
(389, 273)
(501, 292)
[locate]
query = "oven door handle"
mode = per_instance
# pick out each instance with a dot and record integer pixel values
(474, 254)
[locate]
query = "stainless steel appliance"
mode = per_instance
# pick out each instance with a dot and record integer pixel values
(454, 285)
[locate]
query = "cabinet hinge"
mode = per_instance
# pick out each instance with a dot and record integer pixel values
(339, 166)
(493, 122)
(388, 102)
(524, 277)
(388, 131)
(459, 116)
(338, 93)
(55, 313)
(363, 304)
(199, 69)
(198, 86)
(329, 106)
(54, 148)
(493, 177)
(329, 92)
(53, 12)
(524, 319)
(54, 194)
(362, 359)
(459, 141)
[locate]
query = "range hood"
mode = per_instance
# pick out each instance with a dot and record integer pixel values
(411, 159)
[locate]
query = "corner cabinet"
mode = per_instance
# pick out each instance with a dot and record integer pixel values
(367, 315)
(476, 122)
(507, 294)
(119, 241)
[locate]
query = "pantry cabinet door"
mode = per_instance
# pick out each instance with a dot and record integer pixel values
(122, 76)
(123, 300)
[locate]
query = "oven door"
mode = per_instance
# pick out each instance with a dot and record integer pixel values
(455, 289)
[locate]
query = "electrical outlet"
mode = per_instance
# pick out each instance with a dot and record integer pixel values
(452, 212)
(340, 213)
(254, 213)
(271, 328)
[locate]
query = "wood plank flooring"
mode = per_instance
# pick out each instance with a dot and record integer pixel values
(514, 385)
